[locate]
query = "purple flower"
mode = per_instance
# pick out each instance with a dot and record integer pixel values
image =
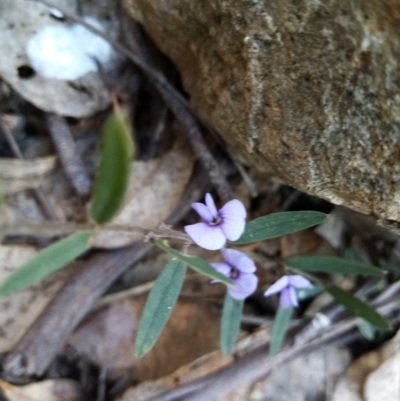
(286, 286)
(240, 269)
(218, 225)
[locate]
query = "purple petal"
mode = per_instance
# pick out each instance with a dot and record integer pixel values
(211, 206)
(285, 300)
(239, 260)
(233, 216)
(278, 286)
(245, 285)
(222, 268)
(203, 211)
(299, 282)
(234, 208)
(208, 237)
(293, 296)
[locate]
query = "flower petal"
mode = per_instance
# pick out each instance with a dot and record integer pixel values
(238, 260)
(299, 281)
(245, 285)
(234, 208)
(278, 286)
(233, 219)
(285, 300)
(222, 268)
(211, 206)
(202, 211)
(208, 237)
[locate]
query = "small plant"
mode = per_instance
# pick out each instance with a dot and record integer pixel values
(219, 229)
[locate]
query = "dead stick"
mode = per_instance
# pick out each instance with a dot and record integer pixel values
(172, 98)
(257, 364)
(38, 193)
(70, 158)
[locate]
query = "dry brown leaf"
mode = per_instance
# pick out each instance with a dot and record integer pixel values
(19, 310)
(105, 336)
(20, 19)
(304, 242)
(17, 175)
(191, 332)
(206, 364)
(200, 367)
(47, 390)
(155, 189)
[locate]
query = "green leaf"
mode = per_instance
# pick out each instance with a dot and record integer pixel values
(46, 262)
(230, 323)
(278, 224)
(366, 330)
(331, 264)
(358, 307)
(112, 177)
(197, 264)
(159, 305)
(281, 325)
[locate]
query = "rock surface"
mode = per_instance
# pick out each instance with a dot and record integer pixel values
(309, 90)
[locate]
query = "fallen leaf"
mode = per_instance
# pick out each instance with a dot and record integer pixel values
(205, 364)
(302, 243)
(192, 331)
(17, 175)
(200, 367)
(47, 390)
(105, 336)
(79, 98)
(156, 186)
(18, 311)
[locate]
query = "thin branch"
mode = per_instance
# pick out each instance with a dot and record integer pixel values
(257, 364)
(49, 230)
(38, 193)
(70, 158)
(172, 98)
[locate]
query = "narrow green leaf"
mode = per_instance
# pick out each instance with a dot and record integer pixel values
(278, 224)
(230, 323)
(159, 305)
(112, 177)
(366, 330)
(331, 264)
(46, 262)
(358, 307)
(197, 264)
(281, 325)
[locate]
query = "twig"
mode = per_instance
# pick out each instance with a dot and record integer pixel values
(129, 293)
(69, 156)
(38, 193)
(56, 229)
(257, 364)
(175, 102)
(37, 348)
(35, 351)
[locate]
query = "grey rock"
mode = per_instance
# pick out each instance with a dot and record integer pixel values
(307, 89)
